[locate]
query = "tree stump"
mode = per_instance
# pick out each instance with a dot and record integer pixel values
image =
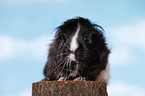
(69, 88)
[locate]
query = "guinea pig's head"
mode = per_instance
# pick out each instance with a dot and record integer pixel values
(81, 42)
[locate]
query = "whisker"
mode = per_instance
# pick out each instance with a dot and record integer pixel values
(57, 66)
(67, 67)
(61, 71)
(65, 44)
(58, 55)
(68, 70)
(70, 65)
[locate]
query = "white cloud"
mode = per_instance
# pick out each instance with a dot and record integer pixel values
(6, 49)
(122, 89)
(120, 56)
(124, 39)
(133, 34)
(12, 47)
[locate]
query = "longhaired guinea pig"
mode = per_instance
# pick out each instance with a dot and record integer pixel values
(78, 52)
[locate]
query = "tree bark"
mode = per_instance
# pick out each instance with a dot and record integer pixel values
(69, 88)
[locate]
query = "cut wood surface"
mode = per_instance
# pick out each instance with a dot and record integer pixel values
(69, 88)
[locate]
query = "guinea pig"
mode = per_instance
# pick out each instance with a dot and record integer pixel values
(78, 52)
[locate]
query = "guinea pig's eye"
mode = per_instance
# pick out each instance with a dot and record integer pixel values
(85, 38)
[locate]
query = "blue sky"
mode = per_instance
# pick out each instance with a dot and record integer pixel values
(27, 29)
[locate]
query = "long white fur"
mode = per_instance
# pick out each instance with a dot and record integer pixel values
(74, 44)
(105, 74)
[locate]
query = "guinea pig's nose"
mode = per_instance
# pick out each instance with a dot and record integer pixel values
(71, 51)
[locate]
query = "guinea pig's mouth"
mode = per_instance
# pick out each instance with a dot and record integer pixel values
(77, 62)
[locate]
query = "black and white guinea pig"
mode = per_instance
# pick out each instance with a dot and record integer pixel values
(78, 52)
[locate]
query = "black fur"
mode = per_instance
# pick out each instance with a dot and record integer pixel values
(91, 55)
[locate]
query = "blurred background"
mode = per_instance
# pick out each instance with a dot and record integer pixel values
(27, 29)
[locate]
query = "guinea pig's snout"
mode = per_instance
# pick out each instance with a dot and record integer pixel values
(72, 57)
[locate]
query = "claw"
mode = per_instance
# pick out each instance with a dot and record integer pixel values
(62, 79)
(80, 79)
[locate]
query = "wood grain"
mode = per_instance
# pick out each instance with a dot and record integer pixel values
(69, 88)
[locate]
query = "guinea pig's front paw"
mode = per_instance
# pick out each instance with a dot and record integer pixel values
(80, 79)
(62, 79)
